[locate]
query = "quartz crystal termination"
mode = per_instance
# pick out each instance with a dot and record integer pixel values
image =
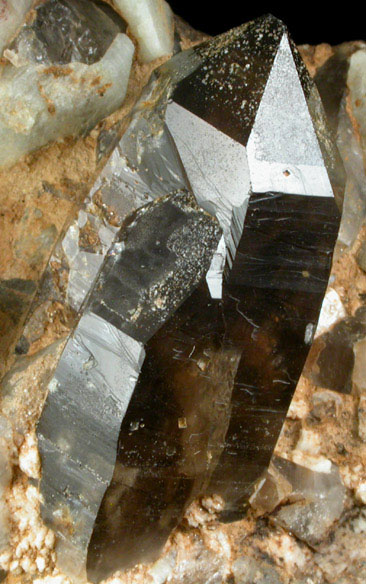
(102, 359)
(219, 375)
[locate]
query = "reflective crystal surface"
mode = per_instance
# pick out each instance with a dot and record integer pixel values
(218, 322)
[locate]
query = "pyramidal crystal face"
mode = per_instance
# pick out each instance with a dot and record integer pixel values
(178, 377)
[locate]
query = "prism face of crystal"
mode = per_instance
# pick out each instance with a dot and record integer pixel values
(98, 369)
(272, 300)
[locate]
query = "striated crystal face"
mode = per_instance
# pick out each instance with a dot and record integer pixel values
(178, 377)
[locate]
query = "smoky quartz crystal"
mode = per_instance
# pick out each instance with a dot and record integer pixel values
(177, 379)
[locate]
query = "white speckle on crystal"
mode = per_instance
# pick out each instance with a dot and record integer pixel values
(309, 332)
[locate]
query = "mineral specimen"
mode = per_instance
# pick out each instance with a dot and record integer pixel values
(223, 352)
(190, 336)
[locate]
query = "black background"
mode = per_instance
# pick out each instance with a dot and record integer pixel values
(308, 22)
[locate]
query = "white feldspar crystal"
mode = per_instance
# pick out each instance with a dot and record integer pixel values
(39, 103)
(12, 15)
(151, 23)
(332, 311)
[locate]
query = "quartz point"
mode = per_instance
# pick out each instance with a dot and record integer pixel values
(216, 353)
(99, 367)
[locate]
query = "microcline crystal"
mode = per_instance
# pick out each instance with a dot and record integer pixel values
(194, 332)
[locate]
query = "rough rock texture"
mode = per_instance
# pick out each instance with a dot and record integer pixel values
(324, 427)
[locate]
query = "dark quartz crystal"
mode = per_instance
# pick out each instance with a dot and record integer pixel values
(219, 375)
(161, 253)
(222, 355)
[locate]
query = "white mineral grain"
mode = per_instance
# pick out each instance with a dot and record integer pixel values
(284, 546)
(316, 463)
(29, 461)
(57, 579)
(39, 103)
(33, 543)
(361, 493)
(12, 15)
(309, 441)
(151, 23)
(331, 312)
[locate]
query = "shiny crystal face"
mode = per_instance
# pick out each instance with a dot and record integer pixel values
(197, 319)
